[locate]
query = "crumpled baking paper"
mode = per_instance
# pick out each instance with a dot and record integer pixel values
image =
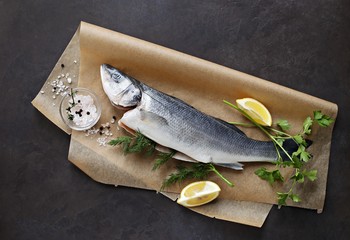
(203, 85)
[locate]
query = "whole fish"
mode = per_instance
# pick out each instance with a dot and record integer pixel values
(174, 124)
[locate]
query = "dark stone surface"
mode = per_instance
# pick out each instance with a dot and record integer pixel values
(304, 45)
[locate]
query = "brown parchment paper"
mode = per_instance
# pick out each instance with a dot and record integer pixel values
(103, 170)
(203, 85)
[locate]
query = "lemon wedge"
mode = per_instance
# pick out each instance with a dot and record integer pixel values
(198, 193)
(256, 110)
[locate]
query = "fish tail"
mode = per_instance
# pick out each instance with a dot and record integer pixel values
(291, 146)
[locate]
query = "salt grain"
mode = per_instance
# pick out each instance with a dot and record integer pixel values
(104, 131)
(69, 80)
(102, 141)
(42, 92)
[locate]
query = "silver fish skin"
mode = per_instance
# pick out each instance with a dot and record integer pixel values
(173, 123)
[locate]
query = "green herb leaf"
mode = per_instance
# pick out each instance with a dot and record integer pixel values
(311, 175)
(299, 177)
(295, 198)
(318, 115)
(307, 126)
(282, 197)
(270, 176)
(298, 139)
(305, 156)
(297, 163)
(280, 141)
(283, 124)
(277, 175)
(322, 120)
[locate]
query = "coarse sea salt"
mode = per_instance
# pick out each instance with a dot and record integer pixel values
(84, 111)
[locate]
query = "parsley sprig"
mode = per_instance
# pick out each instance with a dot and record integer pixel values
(296, 160)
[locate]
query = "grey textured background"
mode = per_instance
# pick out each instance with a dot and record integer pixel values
(304, 45)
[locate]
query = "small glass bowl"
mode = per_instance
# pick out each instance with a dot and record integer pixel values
(81, 115)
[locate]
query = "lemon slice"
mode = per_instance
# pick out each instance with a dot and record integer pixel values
(256, 110)
(198, 193)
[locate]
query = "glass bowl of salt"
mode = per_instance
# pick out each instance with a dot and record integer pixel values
(80, 109)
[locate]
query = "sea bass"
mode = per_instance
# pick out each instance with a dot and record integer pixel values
(174, 124)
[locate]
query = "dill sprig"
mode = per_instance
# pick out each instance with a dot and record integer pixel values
(162, 158)
(198, 171)
(136, 144)
(141, 144)
(125, 141)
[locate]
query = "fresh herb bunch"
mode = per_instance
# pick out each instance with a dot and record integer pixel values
(295, 160)
(141, 144)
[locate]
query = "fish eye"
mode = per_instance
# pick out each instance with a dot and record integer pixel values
(116, 76)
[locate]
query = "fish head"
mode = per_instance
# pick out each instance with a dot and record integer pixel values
(122, 90)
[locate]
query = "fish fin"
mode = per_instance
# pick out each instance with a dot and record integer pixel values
(290, 146)
(235, 166)
(183, 157)
(152, 117)
(229, 125)
(178, 155)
